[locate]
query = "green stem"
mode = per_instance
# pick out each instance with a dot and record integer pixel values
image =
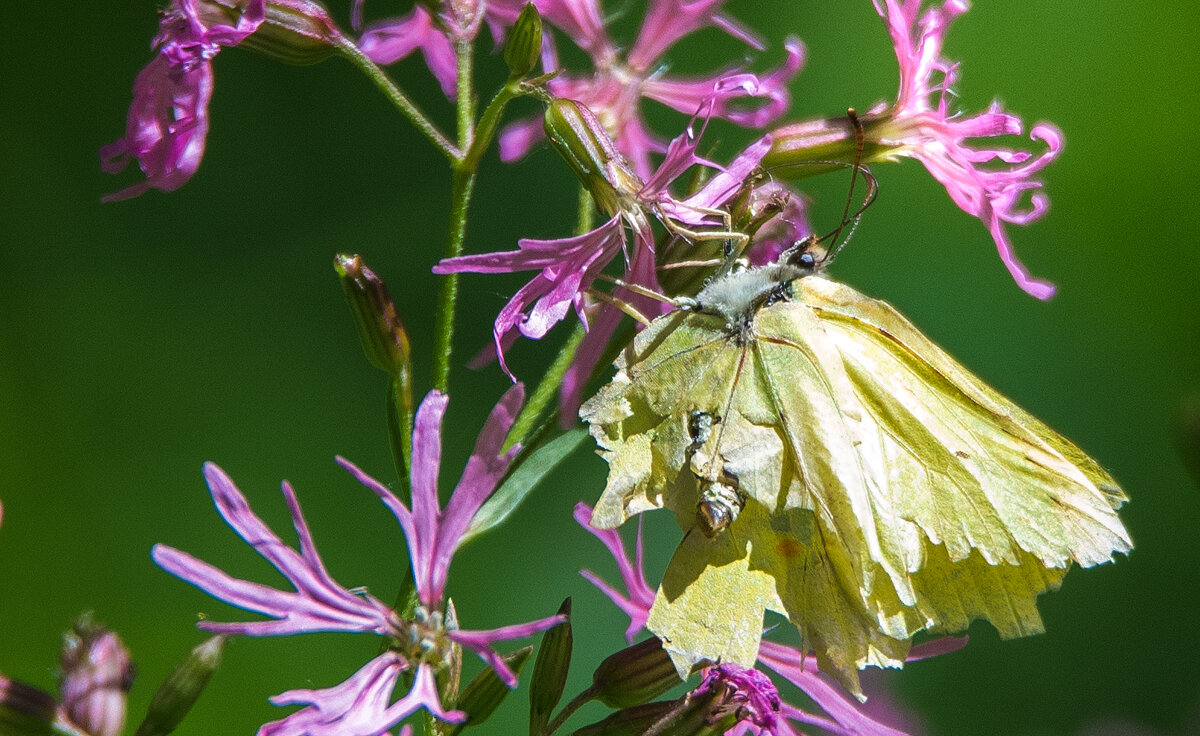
(400, 429)
(397, 97)
(466, 94)
(569, 709)
(535, 405)
(460, 200)
(490, 122)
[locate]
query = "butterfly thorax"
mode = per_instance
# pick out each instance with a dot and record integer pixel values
(738, 296)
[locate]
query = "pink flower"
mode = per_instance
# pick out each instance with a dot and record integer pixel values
(923, 125)
(362, 704)
(168, 121)
(747, 693)
(616, 86)
(568, 266)
(389, 41)
(843, 715)
(636, 602)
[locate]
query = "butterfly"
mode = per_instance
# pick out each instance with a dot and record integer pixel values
(829, 462)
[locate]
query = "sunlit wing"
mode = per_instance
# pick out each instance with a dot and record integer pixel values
(888, 491)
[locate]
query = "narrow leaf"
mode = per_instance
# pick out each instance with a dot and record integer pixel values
(528, 474)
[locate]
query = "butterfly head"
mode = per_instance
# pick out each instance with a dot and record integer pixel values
(807, 256)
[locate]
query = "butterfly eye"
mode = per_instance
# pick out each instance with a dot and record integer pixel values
(807, 260)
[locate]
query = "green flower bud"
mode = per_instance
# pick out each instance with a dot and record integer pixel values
(292, 31)
(813, 147)
(582, 142)
(384, 339)
(24, 709)
(630, 721)
(179, 692)
(524, 43)
(487, 691)
(635, 675)
(550, 669)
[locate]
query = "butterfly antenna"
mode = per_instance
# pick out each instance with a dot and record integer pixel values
(860, 141)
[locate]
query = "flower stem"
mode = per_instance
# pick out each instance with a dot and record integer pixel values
(569, 709)
(460, 201)
(402, 102)
(464, 184)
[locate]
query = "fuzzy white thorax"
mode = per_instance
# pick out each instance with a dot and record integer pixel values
(737, 296)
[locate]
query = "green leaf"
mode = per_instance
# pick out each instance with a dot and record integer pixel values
(550, 672)
(528, 474)
(487, 691)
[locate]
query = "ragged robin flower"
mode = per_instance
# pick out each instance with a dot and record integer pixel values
(167, 125)
(986, 179)
(568, 266)
(617, 84)
(419, 645)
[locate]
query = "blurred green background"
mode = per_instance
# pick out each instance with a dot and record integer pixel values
(141, 338)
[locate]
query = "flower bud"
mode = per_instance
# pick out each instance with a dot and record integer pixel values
(24, 709)
(179, 692)
(524, 44)
(292, 31)
(582, 142)
(630, 721)
(550, 670)
(487, 691)
(634, 675)
(96, 675)
(813, 147)
(384, 339)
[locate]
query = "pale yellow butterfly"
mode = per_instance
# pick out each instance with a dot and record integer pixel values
(844, 471)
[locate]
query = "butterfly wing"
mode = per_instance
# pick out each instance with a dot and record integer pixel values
(681, 363)
(889, 491)
(971, 469)
(943, 499)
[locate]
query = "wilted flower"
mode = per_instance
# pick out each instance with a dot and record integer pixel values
(843, 715)
(168, 121)
(362, 704)
(746, 694)
(616, 86)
